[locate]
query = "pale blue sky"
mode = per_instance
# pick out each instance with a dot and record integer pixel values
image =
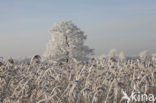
(128, 25)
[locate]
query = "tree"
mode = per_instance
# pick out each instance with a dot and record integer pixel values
(112, 53)
(67, 42)
(122, 56)
(144, 54)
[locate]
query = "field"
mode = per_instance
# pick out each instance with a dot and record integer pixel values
(98, 80)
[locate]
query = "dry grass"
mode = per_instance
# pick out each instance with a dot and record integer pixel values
(100, 80)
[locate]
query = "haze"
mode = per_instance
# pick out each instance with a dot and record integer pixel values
(127, 25)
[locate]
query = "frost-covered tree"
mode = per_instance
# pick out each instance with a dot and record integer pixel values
(144, 54)
(122, 56)
(153, 56)
(112, 53)
(67, 42)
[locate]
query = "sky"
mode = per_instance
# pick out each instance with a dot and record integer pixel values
(126, 25)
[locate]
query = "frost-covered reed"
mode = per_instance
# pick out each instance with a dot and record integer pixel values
(99, 80)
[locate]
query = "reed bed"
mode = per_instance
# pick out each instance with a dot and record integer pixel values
(98, 80)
